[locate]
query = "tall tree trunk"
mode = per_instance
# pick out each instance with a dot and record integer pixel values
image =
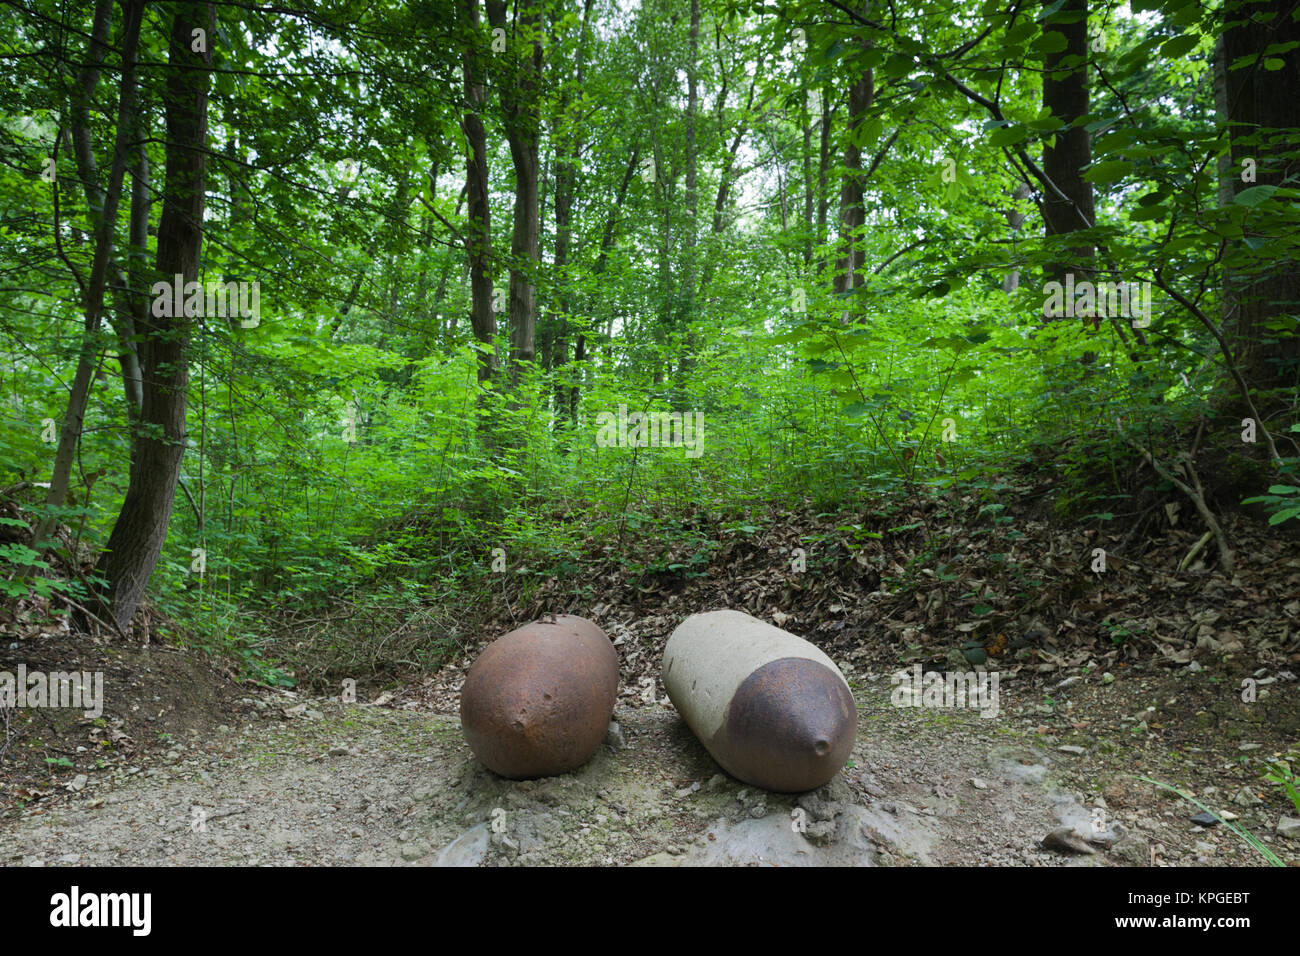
(569, 137)
(1264, 112)
(519, 102)
(137, 266)
(478, 226)
(102, 206)
(848, 268)
(141, 527)
(690, 241)
(805, 123)
(1065, 94)
(823, 173)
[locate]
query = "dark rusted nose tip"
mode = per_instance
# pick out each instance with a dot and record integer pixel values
(790, 726)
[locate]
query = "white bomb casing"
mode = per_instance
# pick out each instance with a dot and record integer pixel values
(770, 707)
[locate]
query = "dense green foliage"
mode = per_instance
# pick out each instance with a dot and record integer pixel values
(340, 443)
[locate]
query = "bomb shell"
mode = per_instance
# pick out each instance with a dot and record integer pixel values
(770, 707)
(538, 701)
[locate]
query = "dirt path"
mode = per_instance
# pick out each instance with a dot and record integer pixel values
(343, 784)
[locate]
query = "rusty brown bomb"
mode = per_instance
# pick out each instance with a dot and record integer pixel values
(771, 708)
(538, 701)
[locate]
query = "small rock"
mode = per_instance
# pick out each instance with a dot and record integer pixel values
(78, 783)
(413, 851)
(339, 751)
(820, 834)
(716, 782)
(978, 784)
(1108, 678)
(870, 785)
(1195, 667)
(614, 736)
(1289, 827)
(1245, 797)
(1073, 749)
(1065, 840)
(1131, 848)
(1206, 820)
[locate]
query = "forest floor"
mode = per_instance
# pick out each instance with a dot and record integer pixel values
(305, 781)
(1186, 678)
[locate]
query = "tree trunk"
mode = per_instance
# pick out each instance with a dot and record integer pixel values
(1264, 113)
(519, 102)
(569, 137)
(141, 527)
(1065, 94)
(102, 206)
(691, 237)
(848, 268)
(805, 125)
(137, 268)
(823, 171)
(478, 226)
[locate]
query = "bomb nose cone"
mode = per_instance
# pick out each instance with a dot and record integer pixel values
(770, 707)
(790, 726)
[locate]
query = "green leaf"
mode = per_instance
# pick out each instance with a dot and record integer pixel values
(1147, 213)
(1050, 10)
(1254, 195)
(1180, 45)
(1052, 41)
(1008, 136)
(1112, 170)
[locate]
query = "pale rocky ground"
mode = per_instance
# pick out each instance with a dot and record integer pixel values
(341, 784)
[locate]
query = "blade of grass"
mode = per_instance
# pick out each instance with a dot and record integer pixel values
(1248, 837)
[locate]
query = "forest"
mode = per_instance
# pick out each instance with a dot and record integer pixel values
(337, 336)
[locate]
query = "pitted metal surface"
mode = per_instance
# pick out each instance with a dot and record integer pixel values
(538, 700)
